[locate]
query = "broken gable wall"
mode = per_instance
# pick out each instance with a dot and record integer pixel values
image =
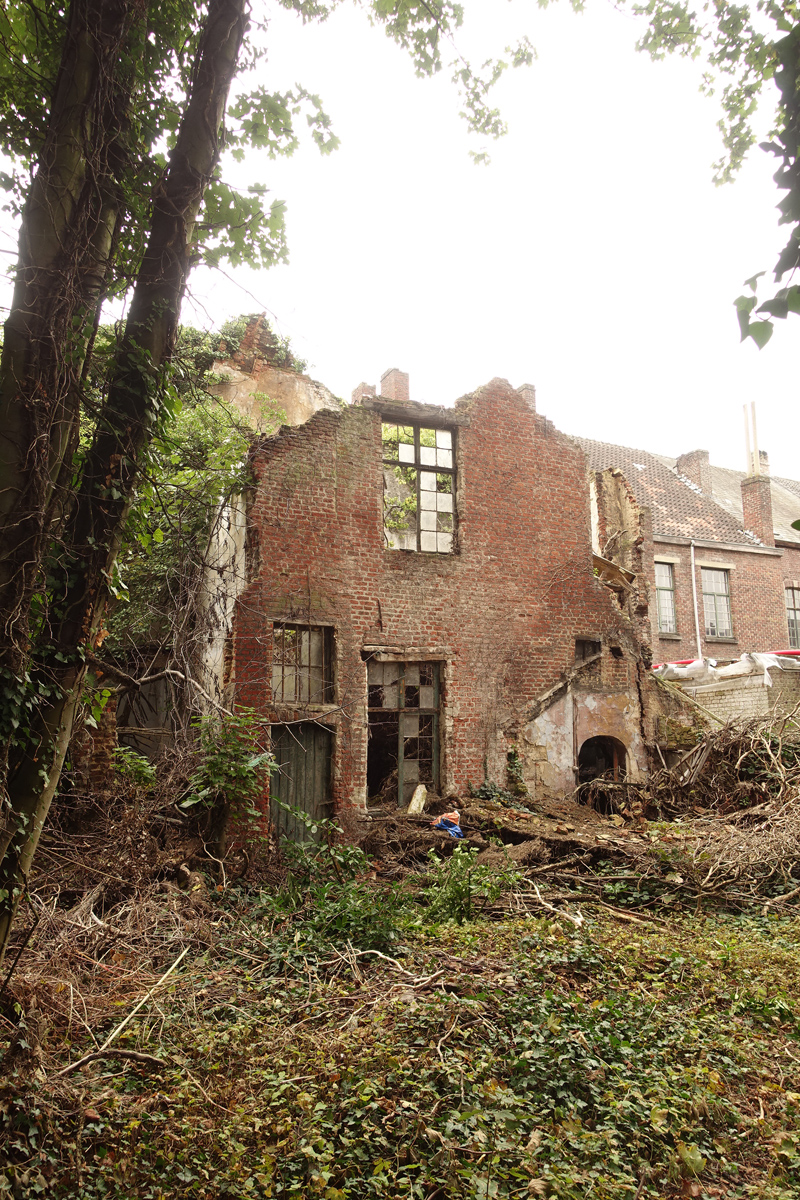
(501, 614)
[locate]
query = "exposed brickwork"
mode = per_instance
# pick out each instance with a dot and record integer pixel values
(757, 508)
(394, 386)
(696, 466)
(502, 613)
(363, 390)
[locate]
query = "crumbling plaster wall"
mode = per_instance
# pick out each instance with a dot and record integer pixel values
(297, 396)
(502, 613)
(551, 742)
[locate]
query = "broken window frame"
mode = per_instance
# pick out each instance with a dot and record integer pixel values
(792, 594)
(666, 617)
(717, 616)
(318, 676)
(419, 467)
(412, 710)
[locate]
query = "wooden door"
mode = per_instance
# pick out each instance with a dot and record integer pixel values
(302, 778)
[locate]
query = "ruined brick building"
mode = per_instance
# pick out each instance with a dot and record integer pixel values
(422, 602)
(723, 560)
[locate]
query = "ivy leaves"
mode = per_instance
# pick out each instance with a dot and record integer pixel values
(782, 303)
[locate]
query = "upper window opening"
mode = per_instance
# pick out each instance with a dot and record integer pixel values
(665, 598)
(793, 616)
(301, 664)
(716, 602)
(418, 488)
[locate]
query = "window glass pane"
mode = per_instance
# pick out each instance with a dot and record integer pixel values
(724, 616)
(444, 522)
(427, 481)
(409, 724)
(406, 453)
(444, 502)
(714, 581)
(427, 541)
(444, 458)
(427, 456)
(427, 520)
(426, 696)
(793, 616)
(666, 612)
(664, 575)
(444, 439)
(444, 543)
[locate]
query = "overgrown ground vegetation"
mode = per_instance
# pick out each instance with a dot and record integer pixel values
(409, 1019)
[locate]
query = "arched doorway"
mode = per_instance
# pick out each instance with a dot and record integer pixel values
(601, 756)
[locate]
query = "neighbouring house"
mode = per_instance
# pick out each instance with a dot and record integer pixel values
(723, 561)
(422, 604)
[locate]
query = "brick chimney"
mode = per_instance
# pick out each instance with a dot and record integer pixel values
(695, 466)
(757, 507)
(528, 393)
(362, 391)
(394, 385)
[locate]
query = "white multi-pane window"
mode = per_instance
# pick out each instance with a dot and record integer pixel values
(716, 602)
(793, 615)
(665, 598)
(301, 665)
(418, 488)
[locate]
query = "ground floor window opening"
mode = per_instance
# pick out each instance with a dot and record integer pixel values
(403, 717)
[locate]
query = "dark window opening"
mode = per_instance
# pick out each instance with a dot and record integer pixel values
(585, 648)
(418, 488)
(616, 652)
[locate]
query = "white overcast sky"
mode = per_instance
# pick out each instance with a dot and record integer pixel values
(593, 257)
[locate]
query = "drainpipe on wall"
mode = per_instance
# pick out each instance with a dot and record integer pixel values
(694, 600)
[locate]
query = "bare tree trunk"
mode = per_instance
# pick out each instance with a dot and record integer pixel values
(65, 245)
(124, 430)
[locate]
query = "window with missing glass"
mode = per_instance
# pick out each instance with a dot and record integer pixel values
(793, 615)
(418, 488)
(665, 598)
(302, 664)
(716, 602)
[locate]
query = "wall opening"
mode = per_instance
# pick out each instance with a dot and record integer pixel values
(403, 717)
(601, 756)
(601, 760)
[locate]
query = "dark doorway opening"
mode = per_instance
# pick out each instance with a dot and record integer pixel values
(403, 715)
(601, 756)
(601, 765)
(382, 756)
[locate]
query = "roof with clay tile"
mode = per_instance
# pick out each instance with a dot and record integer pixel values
(678, 506)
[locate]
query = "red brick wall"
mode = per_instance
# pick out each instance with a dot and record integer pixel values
(757, 507)
(502, 613)
(757, 603)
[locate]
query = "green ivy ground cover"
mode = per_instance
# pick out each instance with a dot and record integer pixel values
(522, 1058)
